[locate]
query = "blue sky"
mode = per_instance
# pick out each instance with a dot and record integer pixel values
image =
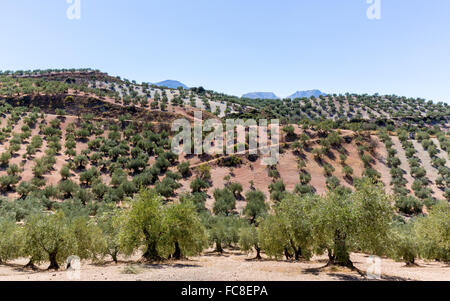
(239, 46)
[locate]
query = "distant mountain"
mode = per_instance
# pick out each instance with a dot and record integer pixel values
(172, 84)
(306, 94)
(260, 95)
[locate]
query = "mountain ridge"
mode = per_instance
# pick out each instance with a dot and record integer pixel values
(307, 94)
(172, 84)
(260, 95)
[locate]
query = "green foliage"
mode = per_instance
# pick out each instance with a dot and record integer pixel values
(256, 205)
(199, 185)
(277, 191)
(434, 233)
(248, 239)
(223, 231)
(225, 202)
(409, 204)
(184, 169)
(142, 226)
(160, 231)
(360, 220)
(272, 236)
(405, 243)
(186, 233)
(49, 237)
(167, 187)
(290, 230)
(11, 240)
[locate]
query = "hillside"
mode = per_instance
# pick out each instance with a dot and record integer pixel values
(79, 141)
(94, 96)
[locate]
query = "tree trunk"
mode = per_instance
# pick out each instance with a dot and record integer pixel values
(297, 251)
(177, 255)
(53, 262)
(114, 256)
(151, 254)
(219, 247)
(298, 254)
(330, 255)
(287, 254)
(258, 252)
(341, 255)
(30, 265)
(410, 260)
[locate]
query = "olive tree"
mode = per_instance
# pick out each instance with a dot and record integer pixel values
(225, 202)
(292, 218)
(405, 243)
(186, 233)
(223, 231)
(142, 227)
(11, 240)
(248, 239)
(433, 233)
(54, 237)
(361, 220)
(256, 205)
(108, 222)
(48, 237)
(161, 231)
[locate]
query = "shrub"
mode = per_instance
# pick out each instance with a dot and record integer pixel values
(4, 158)
(236, 189)
(305, 178)
(7, 183)
(304, 189)
(65, 172)
(80, 161)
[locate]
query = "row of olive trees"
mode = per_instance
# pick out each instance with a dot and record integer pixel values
(298, 227)
(341, 223)
(160, 231)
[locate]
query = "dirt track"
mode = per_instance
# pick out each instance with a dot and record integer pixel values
(232, 266)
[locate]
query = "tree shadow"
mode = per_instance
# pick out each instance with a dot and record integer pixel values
(331, 156)
(349, 180)
(345, 274)
(159, 266)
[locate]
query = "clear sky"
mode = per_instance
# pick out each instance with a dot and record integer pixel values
(239, 46)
